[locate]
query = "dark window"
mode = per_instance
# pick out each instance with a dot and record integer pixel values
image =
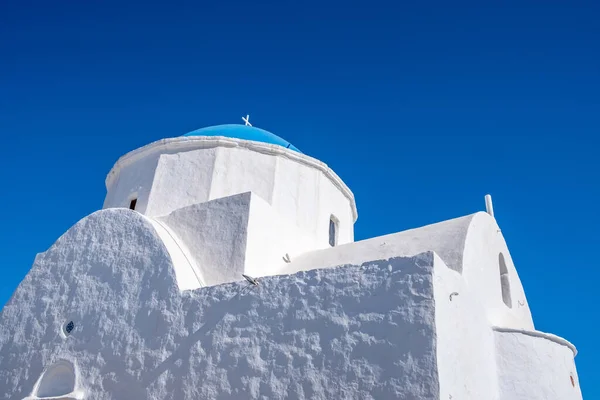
(504, 281)
(332, 231)
(132, 204)
(69, 327)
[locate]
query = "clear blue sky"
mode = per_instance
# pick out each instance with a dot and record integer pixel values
(421, 109)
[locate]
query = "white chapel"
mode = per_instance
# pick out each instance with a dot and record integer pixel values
(223, 266)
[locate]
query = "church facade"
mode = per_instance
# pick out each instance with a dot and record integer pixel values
(223, 266)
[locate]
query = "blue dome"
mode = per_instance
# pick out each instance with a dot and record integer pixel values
(243, 132)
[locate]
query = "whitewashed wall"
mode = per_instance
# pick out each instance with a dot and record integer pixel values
(226, 237)
(379, 326)
(189, 275)
(216, 234)
(133, 181)
(481, 271)
(111, 275)
(535, 366)
(271, 237)
(469, 245)
(353, 332)
(182, 179)
(180, 172)
(465, 341)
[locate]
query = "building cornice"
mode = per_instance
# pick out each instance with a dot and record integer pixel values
(543, 335)
(189, 143)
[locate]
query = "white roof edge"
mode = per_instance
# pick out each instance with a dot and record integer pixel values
(543, 335)
(188, 143)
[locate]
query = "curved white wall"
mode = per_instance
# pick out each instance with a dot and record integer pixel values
(481, 270)
(535, 366)
(110, 274)
(133, 180)
(179, 172)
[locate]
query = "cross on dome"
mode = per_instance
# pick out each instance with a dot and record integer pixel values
(247, 120)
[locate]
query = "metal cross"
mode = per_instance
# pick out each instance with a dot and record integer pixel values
(247, 120)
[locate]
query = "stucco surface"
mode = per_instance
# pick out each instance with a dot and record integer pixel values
(270, 238)
(469, 245)
(188, 274)
(216, 234)
(134, 181)
(481, 271)
(364, 332)
(533, 367)
(223, 238)
(180, 172)
(181, 179)
(108, 274)
(447, 239)
(159, 308)
(465, 342)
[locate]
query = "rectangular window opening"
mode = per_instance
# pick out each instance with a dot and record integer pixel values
(333, 228)
(132, 204)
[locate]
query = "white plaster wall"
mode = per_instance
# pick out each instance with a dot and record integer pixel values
(483, 243)
(133, 181)
(447, 239)
(311, 203)
(189, 276)
(189, 171)
(216, 234)
(534, 367)
(332, 202)
(363, 332)
(111, 275)
(465, 340)
(215, 242)
(240, 170)
(287, 198)
(469, 245)
(270, 237)
(181, 179)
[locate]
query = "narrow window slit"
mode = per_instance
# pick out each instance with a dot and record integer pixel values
(333, 231)
(504, 281)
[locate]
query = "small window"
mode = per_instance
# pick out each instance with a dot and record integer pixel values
(504, 281)
(333, 231)
(68, 328)
(132, 204)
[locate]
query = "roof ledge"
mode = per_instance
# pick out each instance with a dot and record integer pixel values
(543, 335)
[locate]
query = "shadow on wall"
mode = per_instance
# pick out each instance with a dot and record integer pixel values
(121, 383)
(369, 328)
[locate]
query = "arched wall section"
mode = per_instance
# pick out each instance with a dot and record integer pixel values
(109, 273)
(490, 272)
